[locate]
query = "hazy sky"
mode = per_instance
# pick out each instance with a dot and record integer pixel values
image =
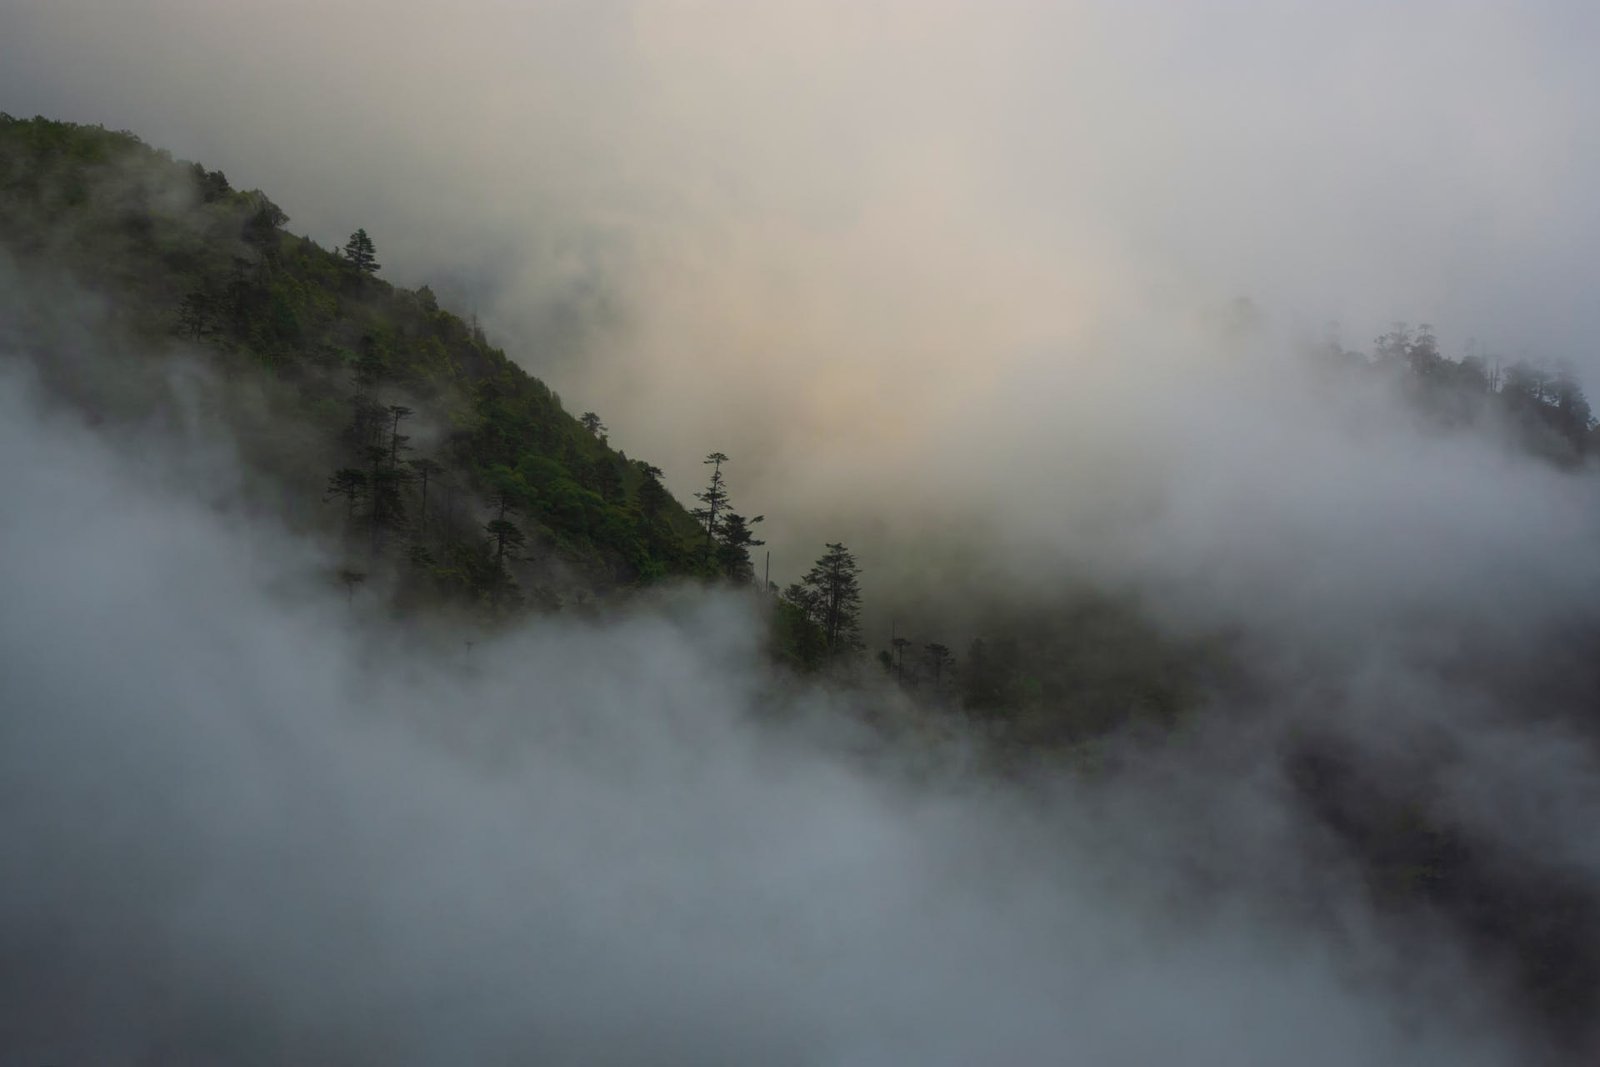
(840, 241)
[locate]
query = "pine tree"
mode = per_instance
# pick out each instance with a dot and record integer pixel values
(734, 542)
(715, 498)
(830, 595)
(360, 253)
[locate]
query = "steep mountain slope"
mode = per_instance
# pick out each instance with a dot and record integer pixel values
(183, 262)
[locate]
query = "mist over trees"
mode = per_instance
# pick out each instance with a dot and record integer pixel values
(456, 490)
(518, 493)
(1543, 408)
(369, 368)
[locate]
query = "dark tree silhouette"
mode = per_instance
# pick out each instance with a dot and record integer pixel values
(652, 494)
(734, 542)
(360, 253)
(212, 184)
(715, 497)
(830, 595)
(592, 423)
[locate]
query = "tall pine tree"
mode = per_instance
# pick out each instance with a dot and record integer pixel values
(360, 253)
(830, 595)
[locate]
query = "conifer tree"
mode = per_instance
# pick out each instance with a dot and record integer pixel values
(734, 542)
(715, 497)
(360, 253)
(830, 595)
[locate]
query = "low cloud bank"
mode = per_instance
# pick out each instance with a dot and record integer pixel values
(244, 824)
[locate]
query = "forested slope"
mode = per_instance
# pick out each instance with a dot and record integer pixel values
(184, 261)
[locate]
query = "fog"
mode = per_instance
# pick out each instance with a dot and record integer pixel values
(822, 237)
(1008, 298)
(246, 823)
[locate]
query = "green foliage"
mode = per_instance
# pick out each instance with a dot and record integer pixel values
(186, 255)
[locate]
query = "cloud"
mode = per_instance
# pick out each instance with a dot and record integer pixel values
(946, 283)
(246, 823)
(818, 236)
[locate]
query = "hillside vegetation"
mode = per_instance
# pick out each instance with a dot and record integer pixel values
(186, 260)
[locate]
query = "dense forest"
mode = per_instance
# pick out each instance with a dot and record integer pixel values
(188, 258)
